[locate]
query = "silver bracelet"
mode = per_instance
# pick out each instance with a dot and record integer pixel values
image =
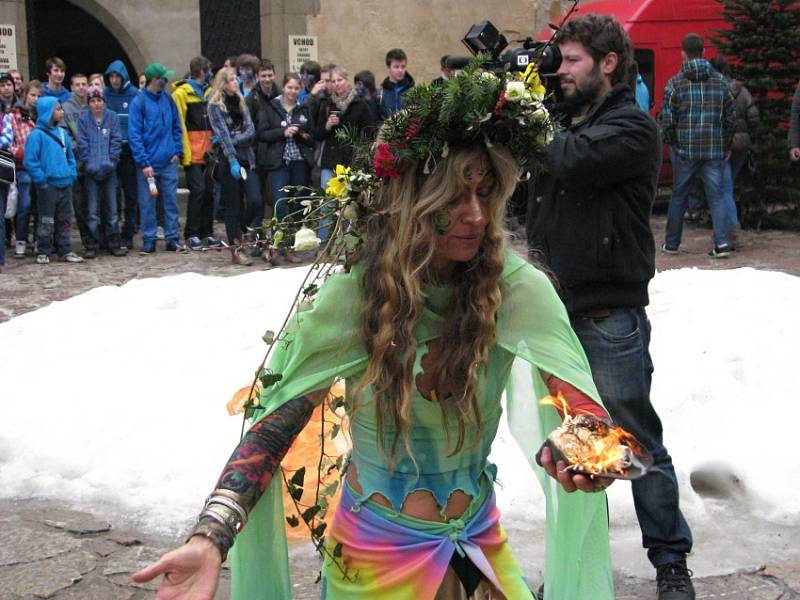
(229, 500)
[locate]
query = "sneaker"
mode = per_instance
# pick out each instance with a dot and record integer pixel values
(118, 251)
(71, 257)
(89, 253)
(194, 243)
(147, 249)
(674, 581)
(213, 242)
(127, 243)
(723, 251)
(42, 259)
(668, 249)
(159, 233)
(176, 247)
(20, 249)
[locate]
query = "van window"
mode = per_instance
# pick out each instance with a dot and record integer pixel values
(646, 60)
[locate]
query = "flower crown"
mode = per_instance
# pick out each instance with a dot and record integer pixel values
(475, 106)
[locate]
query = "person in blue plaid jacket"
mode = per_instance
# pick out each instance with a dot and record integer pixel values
(698, 119)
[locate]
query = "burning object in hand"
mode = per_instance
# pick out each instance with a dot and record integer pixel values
(591, 446)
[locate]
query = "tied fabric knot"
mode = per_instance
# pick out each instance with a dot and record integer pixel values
(456, 533)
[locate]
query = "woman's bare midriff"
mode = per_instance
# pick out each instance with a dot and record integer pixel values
(419, 504)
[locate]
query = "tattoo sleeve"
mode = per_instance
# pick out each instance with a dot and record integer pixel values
(252, 465)
(255, 460)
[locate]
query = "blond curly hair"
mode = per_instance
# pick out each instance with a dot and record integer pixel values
(397, 256)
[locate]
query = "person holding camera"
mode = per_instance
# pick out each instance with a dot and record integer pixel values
(236, 136)
(286, 127)
(343, 109)
(592, 229)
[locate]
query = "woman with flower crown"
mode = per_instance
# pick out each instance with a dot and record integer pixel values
(431, 321)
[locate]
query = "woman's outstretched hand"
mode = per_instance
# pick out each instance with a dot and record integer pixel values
(190, 572)
(570, 480)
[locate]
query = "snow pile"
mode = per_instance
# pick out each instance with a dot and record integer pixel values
(115, 399)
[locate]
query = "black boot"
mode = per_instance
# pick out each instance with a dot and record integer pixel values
(674, 581)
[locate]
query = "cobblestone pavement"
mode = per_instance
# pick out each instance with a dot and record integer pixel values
(50, 551)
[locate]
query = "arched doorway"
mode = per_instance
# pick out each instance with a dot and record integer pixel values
(60, 28)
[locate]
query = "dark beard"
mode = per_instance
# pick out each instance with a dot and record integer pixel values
(585, 94)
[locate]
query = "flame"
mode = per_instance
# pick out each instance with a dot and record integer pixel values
(589, 444)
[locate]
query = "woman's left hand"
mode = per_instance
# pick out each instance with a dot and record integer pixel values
(570, 480)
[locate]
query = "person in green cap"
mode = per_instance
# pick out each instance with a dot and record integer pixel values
(156, 140)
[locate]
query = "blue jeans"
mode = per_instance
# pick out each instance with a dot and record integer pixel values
(696, 204)
(712, 172)
(3, 198)
(128, 185)
(325, 175)
(618, 351)
(55, 220)
(22, 220)
(101, 198)
(167, 182)
(295, 172)
(231, 191)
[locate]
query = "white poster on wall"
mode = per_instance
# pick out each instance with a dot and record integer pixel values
(8, 48)
(301, 49)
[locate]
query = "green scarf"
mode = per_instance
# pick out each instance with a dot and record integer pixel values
(321, 343)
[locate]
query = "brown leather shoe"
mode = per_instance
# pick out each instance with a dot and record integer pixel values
(239, 256)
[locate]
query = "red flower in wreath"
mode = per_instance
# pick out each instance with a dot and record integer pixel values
(413, 128)
(385, 163)
(501, 102)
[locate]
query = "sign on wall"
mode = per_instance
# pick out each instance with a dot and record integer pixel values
(8, 48)
(301, 49)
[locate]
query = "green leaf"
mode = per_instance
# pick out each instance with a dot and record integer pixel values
(335, 430)
(337, 550)
(299, 477)
(267, 379)
(331, 489)
(309, 513)
(319, 577)
(293, 521)
(268, 337)
(295, 492)
(319, 530)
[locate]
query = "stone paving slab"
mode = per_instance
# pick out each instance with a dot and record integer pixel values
(87, 563)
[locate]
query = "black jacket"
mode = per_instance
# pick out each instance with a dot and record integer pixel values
(255, 101)
(272, 122)
(357, 115)
(589, 215)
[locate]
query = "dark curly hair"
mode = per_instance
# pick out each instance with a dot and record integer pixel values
(601, 34)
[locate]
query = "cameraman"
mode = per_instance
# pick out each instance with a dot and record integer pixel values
(591, 227)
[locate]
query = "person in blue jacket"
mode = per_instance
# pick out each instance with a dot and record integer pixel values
(156, 139)
(119, 95)
(50, 162)
(56, 70)
(99, 145)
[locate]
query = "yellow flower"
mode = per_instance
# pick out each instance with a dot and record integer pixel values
(532, 82)
(337, 186)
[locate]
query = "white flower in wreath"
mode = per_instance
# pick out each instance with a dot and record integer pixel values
(540, 115)
(515, 91)
(305, 239)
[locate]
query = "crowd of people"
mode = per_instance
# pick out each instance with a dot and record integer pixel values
(105, 153)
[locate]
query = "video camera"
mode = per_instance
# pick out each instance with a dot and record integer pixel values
(484, 37)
